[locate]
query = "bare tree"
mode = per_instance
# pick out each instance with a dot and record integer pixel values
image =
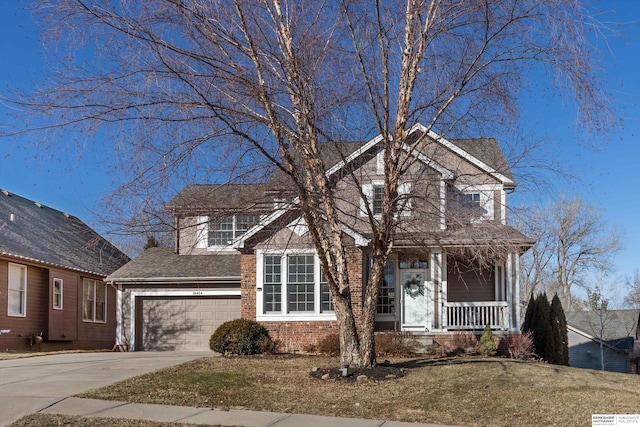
(573, 241)
(632, 297)
(183, 87)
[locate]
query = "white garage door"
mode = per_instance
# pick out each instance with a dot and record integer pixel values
(182, 323)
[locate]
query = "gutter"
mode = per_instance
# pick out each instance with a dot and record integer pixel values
(160, 280)
(51, 264)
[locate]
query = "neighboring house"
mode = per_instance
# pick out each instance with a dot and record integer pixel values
(245, 241)
(616, 330)
(52, 290)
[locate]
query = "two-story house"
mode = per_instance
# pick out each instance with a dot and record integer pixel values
(244, 250)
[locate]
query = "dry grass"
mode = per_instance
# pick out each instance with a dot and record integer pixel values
(39, 420)
(463, 391)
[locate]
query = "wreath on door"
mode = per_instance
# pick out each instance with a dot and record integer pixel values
(414, 287)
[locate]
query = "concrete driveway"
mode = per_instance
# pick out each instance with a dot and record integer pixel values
(30, 384)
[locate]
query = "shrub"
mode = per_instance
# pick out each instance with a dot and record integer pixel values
(395, 344)
(521, 346)
(487, 345)
(461, 342)
(329, 345)
(241, 336)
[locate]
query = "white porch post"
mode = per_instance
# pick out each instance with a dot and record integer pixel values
(119, 315)
(517, 290)
(132, 322)
(510, 292)
(442, 257)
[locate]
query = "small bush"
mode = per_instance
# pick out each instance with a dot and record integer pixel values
(329, 345)
(241, 336)
(487, 345)
(395, 344)
(521, 346)
(461, 342)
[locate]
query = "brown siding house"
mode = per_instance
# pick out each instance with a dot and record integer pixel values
(52, 290)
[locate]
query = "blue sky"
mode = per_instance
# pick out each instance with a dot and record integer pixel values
(606, 166)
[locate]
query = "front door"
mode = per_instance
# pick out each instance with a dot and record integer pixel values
(414, 288)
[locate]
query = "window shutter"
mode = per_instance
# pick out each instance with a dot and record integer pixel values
(367, 191)
(404, 202)
(202, 232)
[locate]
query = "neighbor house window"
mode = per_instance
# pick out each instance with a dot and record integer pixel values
(222, 231)
(94, 301)
(57, 294)
(291, 285)
(17, 290)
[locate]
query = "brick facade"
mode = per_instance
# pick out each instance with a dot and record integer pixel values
(298, 335)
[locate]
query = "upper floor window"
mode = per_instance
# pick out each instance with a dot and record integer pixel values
(471, 203)
(17, 290)
(374, 196)
(94, 301)
(57, 294)
(223, 231)
(378, 197)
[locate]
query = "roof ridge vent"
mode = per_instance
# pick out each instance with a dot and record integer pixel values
(5, 192)
(37, 204)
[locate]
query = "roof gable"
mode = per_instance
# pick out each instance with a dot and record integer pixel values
(34, 232)
(619, 331)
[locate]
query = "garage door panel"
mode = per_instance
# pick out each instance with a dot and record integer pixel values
(184, 324)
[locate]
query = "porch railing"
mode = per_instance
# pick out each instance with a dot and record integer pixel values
(476, 315)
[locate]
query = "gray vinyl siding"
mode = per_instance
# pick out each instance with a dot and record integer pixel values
(585, 353)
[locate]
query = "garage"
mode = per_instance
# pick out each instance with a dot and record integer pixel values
(181, 323)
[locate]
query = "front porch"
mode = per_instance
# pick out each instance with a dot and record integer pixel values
(440, 293)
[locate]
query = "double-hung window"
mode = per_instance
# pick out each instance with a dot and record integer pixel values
(57, 294)
(300, 283)
(94, 301)
(222, 231)
(373, 196)
(17, 290)
(291, 285)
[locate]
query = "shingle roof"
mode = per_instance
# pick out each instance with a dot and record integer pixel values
(257, 197)
(31, 231)
(205, 197)
(620, 326)
(161, 264)
(486, 150)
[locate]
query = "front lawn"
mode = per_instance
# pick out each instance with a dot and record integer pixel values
(462, 391)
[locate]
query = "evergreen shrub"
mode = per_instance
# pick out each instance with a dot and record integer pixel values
(241, 336)
(487, 345)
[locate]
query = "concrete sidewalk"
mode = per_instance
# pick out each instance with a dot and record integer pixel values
(184, 414)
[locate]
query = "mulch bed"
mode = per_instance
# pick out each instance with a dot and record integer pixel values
(377, 373)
